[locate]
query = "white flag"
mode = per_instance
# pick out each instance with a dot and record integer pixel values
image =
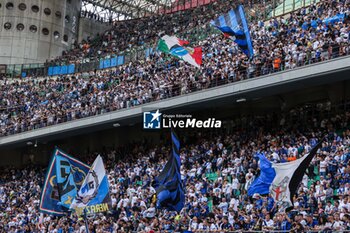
(93, 196)
(288, 177)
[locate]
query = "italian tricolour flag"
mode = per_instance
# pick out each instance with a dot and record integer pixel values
(174, 46)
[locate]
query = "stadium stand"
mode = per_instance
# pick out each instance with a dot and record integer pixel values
(136, 32)
(217, 168)
(306, 36)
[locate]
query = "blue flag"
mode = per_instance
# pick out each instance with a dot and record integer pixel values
(332, 20)
(93, 196)
(55, 196)
(262, 183)
(234, 24)
(168, 185)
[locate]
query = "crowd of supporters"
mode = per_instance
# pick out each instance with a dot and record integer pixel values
(217, 169)
(298, 39)
(124, 35)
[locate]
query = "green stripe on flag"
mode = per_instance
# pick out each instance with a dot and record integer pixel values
(162, 46)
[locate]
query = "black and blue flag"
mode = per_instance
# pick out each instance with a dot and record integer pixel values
(64, 177)
(234, 24)
(168, 185)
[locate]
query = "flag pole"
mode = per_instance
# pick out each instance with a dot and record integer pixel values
(86, 222)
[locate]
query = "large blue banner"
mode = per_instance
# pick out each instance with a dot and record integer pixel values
(64, 69)
(113, 62)
(50, 71)
(331, 20)
(107, 63)
(50, 201)
(261, 184)
(57, 70)
(120, 60)
(101, 64)
(71, 69)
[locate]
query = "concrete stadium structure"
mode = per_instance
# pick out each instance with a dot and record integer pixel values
(31, 31)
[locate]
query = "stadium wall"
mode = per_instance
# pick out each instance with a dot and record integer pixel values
(89, 28)
(32, 31)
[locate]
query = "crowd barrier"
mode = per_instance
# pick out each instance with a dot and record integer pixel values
(111, 62)
(61, 70)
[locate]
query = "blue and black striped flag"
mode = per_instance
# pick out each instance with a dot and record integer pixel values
(234, 24)
(168, 185)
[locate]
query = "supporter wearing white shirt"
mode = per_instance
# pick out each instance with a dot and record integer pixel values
(199, 171)
(193, 226)
(344, 204)
(214, 227)
(231, 217)
(150, 212)
(305, 180)
(137, 171)
(192, 172)
(223, 205)
(234, 204)
(267, 222)
(235, 183)
(113, 200)
(228, 190)
(292, 149)
(202, 198)
(123, 202)
(217, 190)
(321, 194)
(198, 186)
(208, 166)
(82, 229)
(219, 162)
(337, 224)
(323, 166)
(329, 208)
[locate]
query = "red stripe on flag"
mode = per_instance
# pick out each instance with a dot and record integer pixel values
(183, 42)
(197, 55)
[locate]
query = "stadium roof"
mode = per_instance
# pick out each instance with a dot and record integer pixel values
(126, 9)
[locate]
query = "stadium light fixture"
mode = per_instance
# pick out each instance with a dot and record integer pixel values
(116, 125)
(241, 100)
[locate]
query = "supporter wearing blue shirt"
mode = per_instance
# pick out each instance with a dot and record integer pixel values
(258, 203)
(270, 203)
(310, 221)
(225, 225)
(285, 223)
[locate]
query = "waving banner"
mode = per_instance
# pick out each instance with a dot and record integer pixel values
(64, 177)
